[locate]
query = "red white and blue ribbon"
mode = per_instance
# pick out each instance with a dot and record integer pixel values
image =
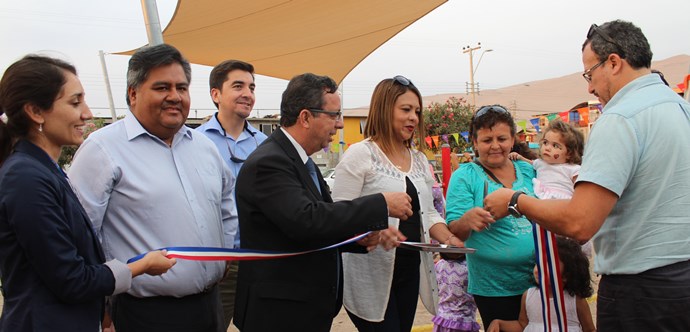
(549, 275)
(224, 254)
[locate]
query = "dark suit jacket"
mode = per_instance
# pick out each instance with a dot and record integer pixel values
(50, 259)
(280, 209)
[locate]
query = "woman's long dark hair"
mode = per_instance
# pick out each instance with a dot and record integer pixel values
(575, 273)
(36, 80)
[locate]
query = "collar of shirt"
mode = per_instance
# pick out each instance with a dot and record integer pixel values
(299, 148)
(134, 129)
(213, 125)
(644, 80)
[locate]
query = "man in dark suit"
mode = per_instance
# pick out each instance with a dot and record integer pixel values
(282, 208)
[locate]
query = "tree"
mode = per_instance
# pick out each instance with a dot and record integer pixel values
(69, 151)
(452, 117)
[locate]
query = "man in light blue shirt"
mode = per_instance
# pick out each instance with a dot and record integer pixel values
(147, 182)
(232, 90)
(633, 191)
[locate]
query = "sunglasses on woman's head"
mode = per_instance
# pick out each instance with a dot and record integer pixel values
(485, 109)
(402, 80)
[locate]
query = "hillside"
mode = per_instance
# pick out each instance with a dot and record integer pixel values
(550, 95)
(558, 94)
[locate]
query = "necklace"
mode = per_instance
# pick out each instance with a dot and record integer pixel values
(403, 160)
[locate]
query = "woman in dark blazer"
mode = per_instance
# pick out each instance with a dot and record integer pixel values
(54, 274)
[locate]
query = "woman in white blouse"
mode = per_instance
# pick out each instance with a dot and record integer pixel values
(381, 288)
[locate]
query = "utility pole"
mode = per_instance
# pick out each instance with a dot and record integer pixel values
(474, 88)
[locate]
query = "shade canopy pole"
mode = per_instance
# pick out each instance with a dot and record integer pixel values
(111, 104)
(153, 23)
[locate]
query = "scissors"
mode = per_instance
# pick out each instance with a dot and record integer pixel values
(486, 192)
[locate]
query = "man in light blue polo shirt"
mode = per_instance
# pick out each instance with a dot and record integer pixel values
(232, 90)
(633, 191)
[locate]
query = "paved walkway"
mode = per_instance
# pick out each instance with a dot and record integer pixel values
(342, 323)
(422, 320)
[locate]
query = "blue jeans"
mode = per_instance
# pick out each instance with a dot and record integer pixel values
(654, 300)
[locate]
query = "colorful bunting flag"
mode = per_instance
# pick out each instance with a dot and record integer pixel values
(584, 116)
(564, 116)
(535, 123)
(456, 136)
(522, 124)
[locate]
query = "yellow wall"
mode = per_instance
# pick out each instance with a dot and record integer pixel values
(351, 132)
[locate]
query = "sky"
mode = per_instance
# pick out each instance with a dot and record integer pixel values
(531, 40)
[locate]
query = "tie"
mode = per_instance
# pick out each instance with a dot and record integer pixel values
(311, 166)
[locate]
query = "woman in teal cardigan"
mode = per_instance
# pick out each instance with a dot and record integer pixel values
(501, 268)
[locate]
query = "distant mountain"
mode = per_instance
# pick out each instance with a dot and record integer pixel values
(557, 94)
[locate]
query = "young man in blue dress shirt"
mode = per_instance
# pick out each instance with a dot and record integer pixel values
(232, 90)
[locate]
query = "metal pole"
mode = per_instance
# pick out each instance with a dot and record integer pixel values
(480, 59)
(153, 23)
(341, 136)
(445, 166)
(107, 85)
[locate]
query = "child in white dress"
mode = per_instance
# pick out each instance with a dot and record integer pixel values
(577, 287)
(560, 154)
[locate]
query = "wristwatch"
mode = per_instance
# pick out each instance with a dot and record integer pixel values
(513, 206)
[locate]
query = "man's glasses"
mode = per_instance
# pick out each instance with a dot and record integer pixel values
(337, 116)
(588, 73)
(486, 109)
(402, 80)
(595, 29)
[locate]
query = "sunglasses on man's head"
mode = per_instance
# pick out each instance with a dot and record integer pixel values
(402, 80)
(595, 29)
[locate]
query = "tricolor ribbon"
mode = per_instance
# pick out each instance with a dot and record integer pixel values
(224, 254)
(549, 275)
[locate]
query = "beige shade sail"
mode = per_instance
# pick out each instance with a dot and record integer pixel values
(286, 38)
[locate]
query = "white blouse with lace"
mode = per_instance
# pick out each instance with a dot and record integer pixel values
(366, 170)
